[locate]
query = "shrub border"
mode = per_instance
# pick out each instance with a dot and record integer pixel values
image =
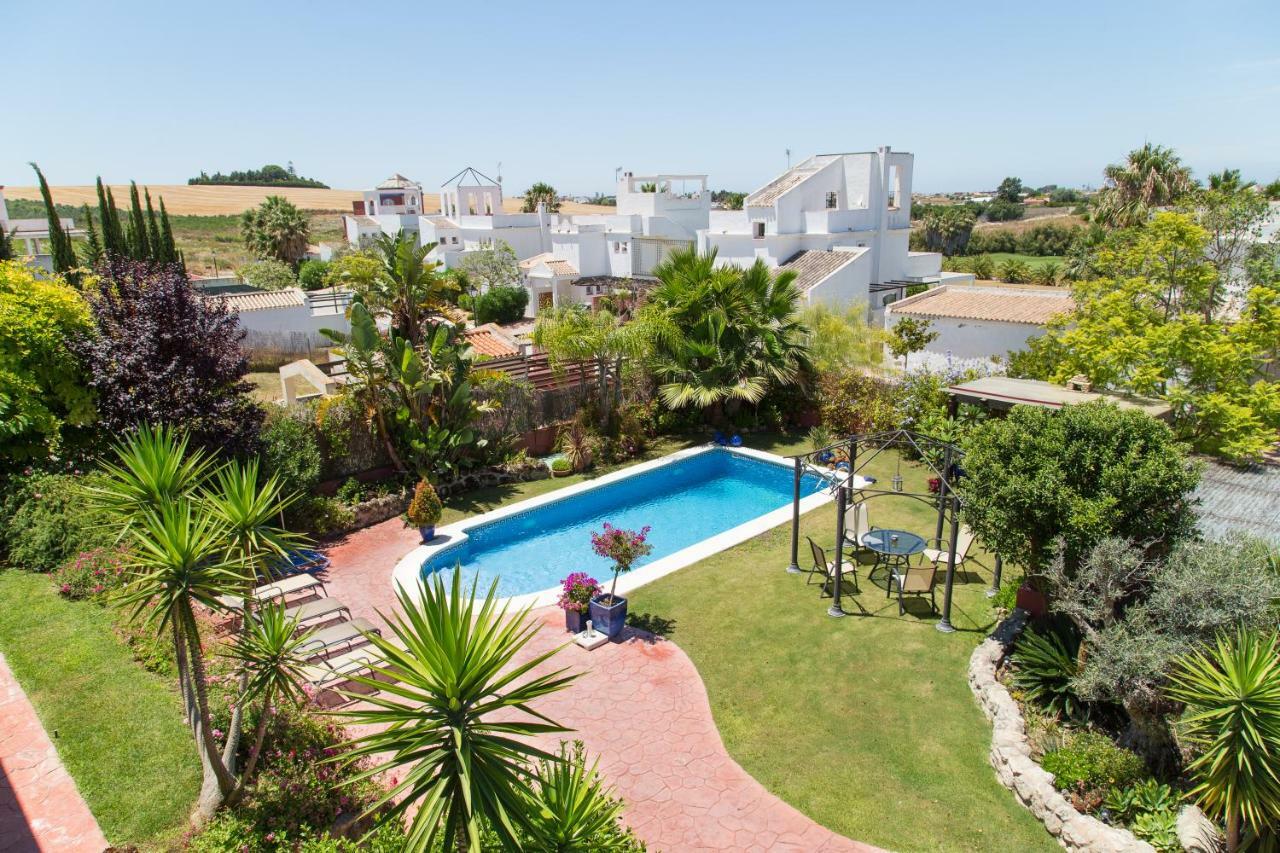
(1011, 754)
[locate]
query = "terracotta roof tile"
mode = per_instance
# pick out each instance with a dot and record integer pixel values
(1006, 305)
(813, 265)
(558, 266)
(261, 300)
(491, 340)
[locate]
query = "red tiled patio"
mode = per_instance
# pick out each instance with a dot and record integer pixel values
(640, 707)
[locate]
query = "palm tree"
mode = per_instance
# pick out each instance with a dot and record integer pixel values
(269, 652)
(1228, 181)
(453, 714)
(408, 287)
(574, 334)
(1152, 176)
(247, 510)
(574, 812)
(1232, 693)
(542, 193)
(722, 336)
(276, 229)
(180, 560)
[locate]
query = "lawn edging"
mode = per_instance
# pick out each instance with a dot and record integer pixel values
(1011, 755)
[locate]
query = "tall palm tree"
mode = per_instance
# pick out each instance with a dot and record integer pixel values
(574, 334)
(153, 467)
(1232, 693)
(180, 560)
(453, 716)
(722, 335)
(248, 510)
(276, 229)
(270, 653)
(541, 193)
(1151, 176)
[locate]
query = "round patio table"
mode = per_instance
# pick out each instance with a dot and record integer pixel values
(893, 548)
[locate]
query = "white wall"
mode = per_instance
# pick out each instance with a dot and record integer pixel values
(268, 326)
(846, 286)
(964, 340)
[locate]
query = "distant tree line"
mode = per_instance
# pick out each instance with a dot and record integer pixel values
(269, 175)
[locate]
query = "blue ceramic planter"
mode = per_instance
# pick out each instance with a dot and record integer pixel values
(609, 619)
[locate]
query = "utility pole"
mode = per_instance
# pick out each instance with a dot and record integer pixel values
(788, 159)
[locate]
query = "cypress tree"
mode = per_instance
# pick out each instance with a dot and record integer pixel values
(153, 231)
(6, 246)
(166, 236)
(139, 249)
(112, 238)
(60, 248)
(91, 252)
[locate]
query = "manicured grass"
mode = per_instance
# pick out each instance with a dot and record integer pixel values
(864, 723)
(1034, 261)
(117, 727)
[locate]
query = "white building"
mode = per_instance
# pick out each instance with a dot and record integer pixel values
(288, 320)
(31, 236)
(842, 219)
(977, 325)
(390, 207)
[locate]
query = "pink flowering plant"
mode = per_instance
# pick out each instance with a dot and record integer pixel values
(624, 547)
(577, 590)
(92, 574)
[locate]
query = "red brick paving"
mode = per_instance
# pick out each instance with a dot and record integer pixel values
(40, 807)
(639, 706)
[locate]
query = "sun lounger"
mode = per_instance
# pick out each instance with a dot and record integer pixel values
(316, 610)
(341, 669)
(278, 589)
(342, 637)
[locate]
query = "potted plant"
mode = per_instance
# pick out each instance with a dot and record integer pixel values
(560, 467)
(623, 547)
(425, 510)
(576, 592)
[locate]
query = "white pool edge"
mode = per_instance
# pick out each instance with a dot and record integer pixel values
(407, 572)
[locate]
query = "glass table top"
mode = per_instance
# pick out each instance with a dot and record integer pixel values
(895, 542)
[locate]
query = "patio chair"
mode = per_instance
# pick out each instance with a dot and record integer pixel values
(341, 669)
(317, 610)
(825, 567)
(342, 637)
(938, 550)
(278, 589)
(915, 580)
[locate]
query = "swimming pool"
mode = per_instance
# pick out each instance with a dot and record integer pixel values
(695, 502)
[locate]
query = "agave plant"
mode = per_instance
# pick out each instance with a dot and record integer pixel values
(1044, 665)
(452, 719)
(1232, 693)
(574, 812)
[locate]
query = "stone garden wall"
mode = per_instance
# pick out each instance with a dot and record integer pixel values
(1018, 771)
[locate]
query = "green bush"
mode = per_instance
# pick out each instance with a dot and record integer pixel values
(46, 521)
(291, 451)
(1159, 829)
(321, 515)
(1001, 210)
(852, 403)
(982, 266)
(560, 465)
(501, 305)
(311, 274)
(268, 275)
(1047, 273)
(1090, 760)
(1044, 665)
(352, 491)
(1013, 271)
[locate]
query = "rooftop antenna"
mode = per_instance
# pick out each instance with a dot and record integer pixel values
(499, 171)
(788, 158)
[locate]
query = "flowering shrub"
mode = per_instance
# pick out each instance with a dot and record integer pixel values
(577, 590)
(92, 574)
(425, 509)
(624, 547)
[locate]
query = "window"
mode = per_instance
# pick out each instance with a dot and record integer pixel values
(488, 206)
(832, 200)
(625, 247)
(471, 206)
(757, 230)
(455, 241)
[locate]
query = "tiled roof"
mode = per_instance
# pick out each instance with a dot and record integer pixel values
(1239, 499)
(491, 340)
(813, 265)
(441, 222)
(262, 300)
(793, 177)
(1033, 306)
(398, 182)
(558, 266)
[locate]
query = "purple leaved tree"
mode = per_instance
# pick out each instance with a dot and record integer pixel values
(164, 354)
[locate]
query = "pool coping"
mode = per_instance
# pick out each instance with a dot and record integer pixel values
(407, 571)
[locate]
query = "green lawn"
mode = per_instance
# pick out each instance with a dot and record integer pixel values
(117, 727)
(1034, 261)
(865, 723)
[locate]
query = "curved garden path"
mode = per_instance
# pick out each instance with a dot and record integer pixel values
(640, 707)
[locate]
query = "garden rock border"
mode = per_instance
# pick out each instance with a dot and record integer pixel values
(1018, 771)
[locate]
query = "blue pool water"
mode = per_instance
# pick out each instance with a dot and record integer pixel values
(684, 502)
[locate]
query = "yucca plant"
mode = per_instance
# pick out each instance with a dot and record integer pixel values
(268, 649)
(1232, 694)
(152, 467)
(1044, 665)
(179, 559)
(574, 812)
(453, 714)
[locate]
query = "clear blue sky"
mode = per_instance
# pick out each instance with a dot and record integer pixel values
(566, 92)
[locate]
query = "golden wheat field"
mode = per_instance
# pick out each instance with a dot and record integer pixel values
(182, 199)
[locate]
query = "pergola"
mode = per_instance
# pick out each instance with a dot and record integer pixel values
(849, 485)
